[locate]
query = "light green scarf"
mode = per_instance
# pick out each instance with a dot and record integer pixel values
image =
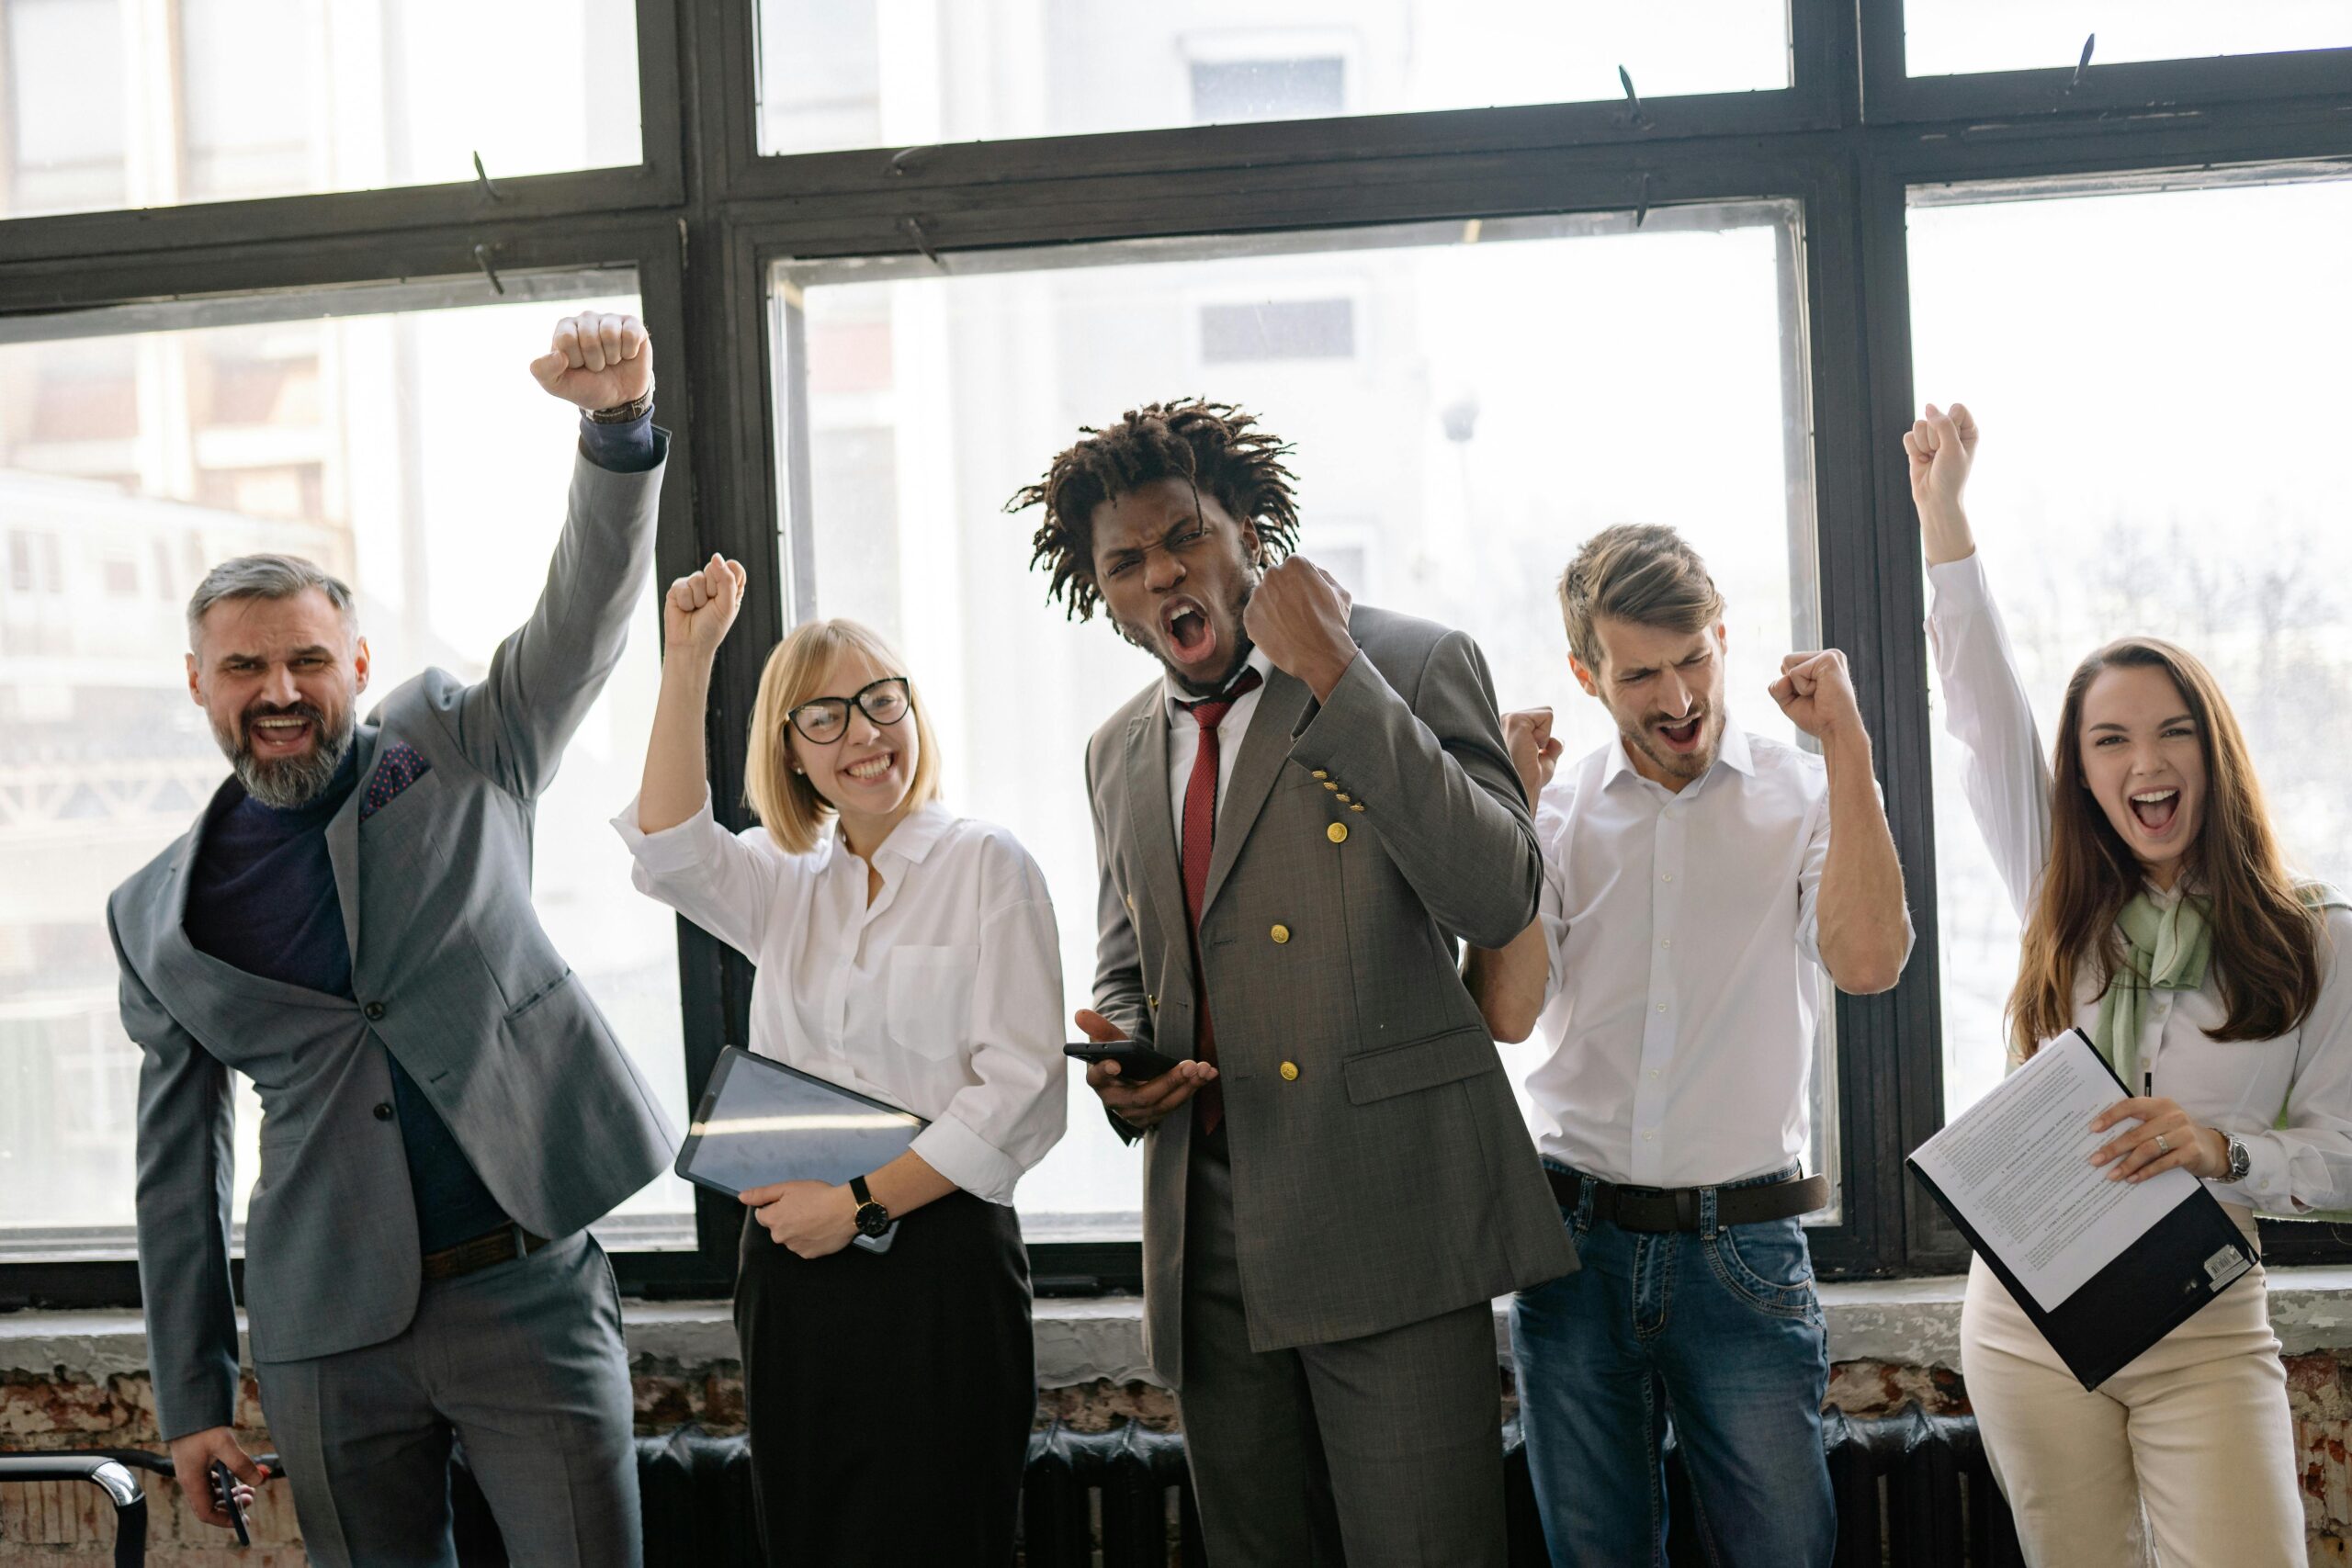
(2167, 947)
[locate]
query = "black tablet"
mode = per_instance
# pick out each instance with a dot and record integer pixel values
(761, 1122)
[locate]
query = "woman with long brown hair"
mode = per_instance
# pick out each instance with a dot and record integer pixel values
(2161, 919)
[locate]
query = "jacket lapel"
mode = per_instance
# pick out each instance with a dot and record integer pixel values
(1155, 823)
(1264, 748)
(343, 841)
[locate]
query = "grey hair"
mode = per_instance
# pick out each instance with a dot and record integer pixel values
(265, 577)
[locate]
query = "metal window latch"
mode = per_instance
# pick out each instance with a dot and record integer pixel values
(481, 259)
(484, 183)
(1635, 116)
(914, 231)
(2082, 66)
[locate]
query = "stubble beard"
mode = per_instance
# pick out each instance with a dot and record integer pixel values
(1685, 766)
(1149, 641)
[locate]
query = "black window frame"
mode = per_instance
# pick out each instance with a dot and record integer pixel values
(704, 216)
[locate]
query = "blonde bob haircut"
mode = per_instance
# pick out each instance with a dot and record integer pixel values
(786, 802)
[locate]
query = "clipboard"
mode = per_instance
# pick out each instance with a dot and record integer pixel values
(2153, 1287)
(761, 1122)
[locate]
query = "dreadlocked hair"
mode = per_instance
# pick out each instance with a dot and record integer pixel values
(1211, 446)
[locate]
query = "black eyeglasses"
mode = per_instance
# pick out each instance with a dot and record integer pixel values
(823, 720)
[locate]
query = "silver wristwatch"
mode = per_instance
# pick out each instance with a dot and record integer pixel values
(2241, 1160)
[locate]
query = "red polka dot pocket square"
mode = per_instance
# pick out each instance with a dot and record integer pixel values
(397, 767)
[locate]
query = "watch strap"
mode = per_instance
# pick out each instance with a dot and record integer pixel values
(859, 1190)
(623, 414)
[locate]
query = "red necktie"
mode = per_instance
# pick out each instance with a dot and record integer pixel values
(1200, 841)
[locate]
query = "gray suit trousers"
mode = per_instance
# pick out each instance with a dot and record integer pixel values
(524, 1364)
(1384, 1451)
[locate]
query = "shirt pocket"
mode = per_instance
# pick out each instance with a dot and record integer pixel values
(930, 999)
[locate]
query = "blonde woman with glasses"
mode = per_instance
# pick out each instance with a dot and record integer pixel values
(906, 954)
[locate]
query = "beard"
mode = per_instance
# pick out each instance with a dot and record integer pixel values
(287, 783)
(1684, 766)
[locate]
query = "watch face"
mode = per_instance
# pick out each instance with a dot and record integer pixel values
(873, 1218)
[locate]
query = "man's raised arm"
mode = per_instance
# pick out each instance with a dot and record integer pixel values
(544, 677)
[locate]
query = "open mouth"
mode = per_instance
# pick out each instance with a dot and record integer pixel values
(872, 768)
(2156, 808)
(276, 735)
(1184, 626)
(1682, 737)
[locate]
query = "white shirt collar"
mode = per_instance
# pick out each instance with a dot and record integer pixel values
(1173, 697)
(913, 838)
(1733, 752)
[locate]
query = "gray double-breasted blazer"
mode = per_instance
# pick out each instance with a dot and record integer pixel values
(1382, 1173)
(450, 971)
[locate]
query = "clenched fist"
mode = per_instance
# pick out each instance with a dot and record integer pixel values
(1942, 446)
(598, 361)
(1533, 749)
(700, 607)
(1817, 694)
(1299, 615)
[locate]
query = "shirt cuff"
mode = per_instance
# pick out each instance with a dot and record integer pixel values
(969, 1160)
(621, 448)
(681, 848)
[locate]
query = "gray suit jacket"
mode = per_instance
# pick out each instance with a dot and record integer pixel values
(452, 974)
(1382, 1173)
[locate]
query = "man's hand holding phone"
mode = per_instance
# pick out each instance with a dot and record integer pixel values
(1140, 1105)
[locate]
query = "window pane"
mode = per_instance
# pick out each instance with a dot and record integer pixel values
(2155, 385)
(839, 74)
(286, 97)
(405, 449)
(1468, 404)
(1951, 37)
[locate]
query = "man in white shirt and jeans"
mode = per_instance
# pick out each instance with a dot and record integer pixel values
(1697, 880)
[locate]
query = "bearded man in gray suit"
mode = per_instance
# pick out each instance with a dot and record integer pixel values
(1295, 826)
(444, 1110)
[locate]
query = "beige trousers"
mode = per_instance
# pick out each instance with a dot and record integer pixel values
(2186, 1458)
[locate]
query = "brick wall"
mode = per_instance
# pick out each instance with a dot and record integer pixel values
(58, 1526)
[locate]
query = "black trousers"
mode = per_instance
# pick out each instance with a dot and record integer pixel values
(890, 1396)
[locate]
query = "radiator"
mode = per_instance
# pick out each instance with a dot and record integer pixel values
(1913, 1491)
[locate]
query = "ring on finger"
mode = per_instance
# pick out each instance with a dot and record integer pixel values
(2163, 1147)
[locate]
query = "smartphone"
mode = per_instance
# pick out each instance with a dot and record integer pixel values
(1137, 1063)
(224, 1497)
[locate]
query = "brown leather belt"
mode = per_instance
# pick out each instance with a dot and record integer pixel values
(502, 1245)
(1676, 1208)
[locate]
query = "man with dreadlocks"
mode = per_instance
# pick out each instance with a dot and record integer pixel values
(1294, 825)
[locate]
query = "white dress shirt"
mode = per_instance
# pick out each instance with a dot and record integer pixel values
(1184, 736)
(944, 996)
(1686, 978)
(2240, 1085)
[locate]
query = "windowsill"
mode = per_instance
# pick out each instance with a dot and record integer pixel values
(1913, 1322)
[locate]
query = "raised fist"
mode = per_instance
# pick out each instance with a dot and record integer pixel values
(1298, 616)
(1533, 749)
(1816, 691)
(596, 361)
(701, 606)
(1942, 445)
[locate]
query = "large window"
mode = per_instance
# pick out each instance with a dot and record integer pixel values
(2160, 472)
(1448, 462)
(401, 444)
(839, 74)
(149, 103)
(896, 253)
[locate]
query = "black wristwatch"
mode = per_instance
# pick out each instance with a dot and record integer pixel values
(873, 1218)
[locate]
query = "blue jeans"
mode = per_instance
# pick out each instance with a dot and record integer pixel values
(1716, 1329)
